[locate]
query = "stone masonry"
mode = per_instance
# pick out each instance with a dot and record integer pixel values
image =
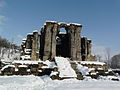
(51, 42)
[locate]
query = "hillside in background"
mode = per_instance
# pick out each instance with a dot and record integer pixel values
(115, 61)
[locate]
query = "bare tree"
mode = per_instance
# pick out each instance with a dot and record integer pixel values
(98, 57)
(108, 56)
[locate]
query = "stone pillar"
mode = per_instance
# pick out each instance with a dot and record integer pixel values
(89, 46)
(39, 41)
(48, 40)
(84, 48)
(53, 40)
(29, 44)
(75, 46)
(35, 49)
(42, 41)
(29, 41)
(71, 33)
(78, 42)
(23, 46)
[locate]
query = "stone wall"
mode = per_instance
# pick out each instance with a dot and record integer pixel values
(86, 46)
(35, 46)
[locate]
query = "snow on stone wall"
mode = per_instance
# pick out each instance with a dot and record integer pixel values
(92, 62)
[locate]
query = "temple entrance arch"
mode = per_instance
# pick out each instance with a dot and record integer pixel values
(62, 43)
(69, 44)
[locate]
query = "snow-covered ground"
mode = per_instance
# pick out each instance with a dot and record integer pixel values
(9, 55)
(45, 83)
(31, 82)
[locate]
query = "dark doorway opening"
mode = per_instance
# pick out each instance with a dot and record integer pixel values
(83, 58)
(62, 43)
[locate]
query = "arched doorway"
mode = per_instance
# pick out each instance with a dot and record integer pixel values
(62, 43)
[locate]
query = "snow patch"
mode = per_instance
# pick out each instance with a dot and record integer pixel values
(76, 24)
(26, 62)
(35, 31)
(53, 73)
(52, 21)
(92, 62)
(22, 66)
(84, 70)
(49, 64)
(62, 33)
(29, 33)
(64, 67)
(25, 57)
(7, 66)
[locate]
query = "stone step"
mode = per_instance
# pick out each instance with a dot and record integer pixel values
(64, 67)
(79, 74)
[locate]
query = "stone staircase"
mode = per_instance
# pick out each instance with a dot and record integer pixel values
(79, 74)
(64, 67)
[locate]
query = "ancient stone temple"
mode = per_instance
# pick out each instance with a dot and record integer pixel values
(50, 42)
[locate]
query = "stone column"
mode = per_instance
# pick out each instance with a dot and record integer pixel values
(84, 48)
(29, 44)
(48, 40)
(71, 33)
(89, 46)
(53, 40)
(42, 36)
(23, 46)
(75, 46)
(35, 49)
(78, 42)
(29, 41)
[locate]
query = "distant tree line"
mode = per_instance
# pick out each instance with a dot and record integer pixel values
(113, 62)
(8, 49)
(4, 43)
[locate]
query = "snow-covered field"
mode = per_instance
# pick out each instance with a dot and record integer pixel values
(45, 83)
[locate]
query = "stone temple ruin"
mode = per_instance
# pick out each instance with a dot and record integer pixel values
(51, 42)
(60, 55)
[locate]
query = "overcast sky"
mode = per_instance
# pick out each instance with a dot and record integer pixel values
(100, 19)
